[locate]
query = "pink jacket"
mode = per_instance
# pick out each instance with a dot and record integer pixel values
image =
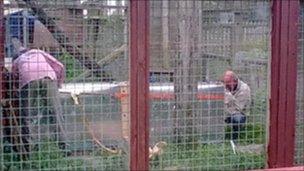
(36, 64)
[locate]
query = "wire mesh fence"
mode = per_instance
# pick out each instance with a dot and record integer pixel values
(66, 85)
(66, 64)
(192, 44)
(299, 144)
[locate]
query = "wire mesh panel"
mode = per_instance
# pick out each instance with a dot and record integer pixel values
(299, 145)
(66, 80)
(193, 124)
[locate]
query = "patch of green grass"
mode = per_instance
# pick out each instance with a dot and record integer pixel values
(48, 156)
(181, 156)
(251, 133)
(206, 157)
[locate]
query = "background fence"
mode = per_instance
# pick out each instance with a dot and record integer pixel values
(197, 41)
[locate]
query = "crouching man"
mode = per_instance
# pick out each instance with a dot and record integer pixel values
(237, 102)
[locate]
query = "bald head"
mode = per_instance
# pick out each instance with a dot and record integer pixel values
(230, 80)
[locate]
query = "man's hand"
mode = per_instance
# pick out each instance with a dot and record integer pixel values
(228, 97)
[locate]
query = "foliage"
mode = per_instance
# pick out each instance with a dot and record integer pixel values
(72, 66)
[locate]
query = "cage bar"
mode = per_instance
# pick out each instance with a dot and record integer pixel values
(283, 83)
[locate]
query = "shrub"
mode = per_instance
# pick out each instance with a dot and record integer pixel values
(72, 66)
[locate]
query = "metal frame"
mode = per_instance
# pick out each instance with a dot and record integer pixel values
(139, 84)
(284, 42)
(283, 82)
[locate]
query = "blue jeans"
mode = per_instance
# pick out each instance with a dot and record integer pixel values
(237, 121)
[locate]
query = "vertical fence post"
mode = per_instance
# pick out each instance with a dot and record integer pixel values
(284, 42)
(2, 32)
(139, 84)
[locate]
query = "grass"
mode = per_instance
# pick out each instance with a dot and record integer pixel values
(214, 156)
(50, 157)
(251, 133)
(202, 157)
(206, 157)
(177, 156)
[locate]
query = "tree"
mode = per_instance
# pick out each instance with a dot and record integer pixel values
(186, 77)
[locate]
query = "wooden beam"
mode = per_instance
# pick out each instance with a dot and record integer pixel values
(125, 112)
(2, 36)
(139, 84)
(283, 83)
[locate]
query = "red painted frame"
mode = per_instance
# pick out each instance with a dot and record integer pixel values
(283, 81)
(2, 32)
(284, 42)
(139, 84)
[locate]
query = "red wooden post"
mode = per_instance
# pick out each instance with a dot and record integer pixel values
(139, 84)
(284, 43)
(2, 32)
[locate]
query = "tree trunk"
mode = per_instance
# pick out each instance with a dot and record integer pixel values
(185, 80)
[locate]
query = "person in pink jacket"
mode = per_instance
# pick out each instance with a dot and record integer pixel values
(38, 75)
(36, 64)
